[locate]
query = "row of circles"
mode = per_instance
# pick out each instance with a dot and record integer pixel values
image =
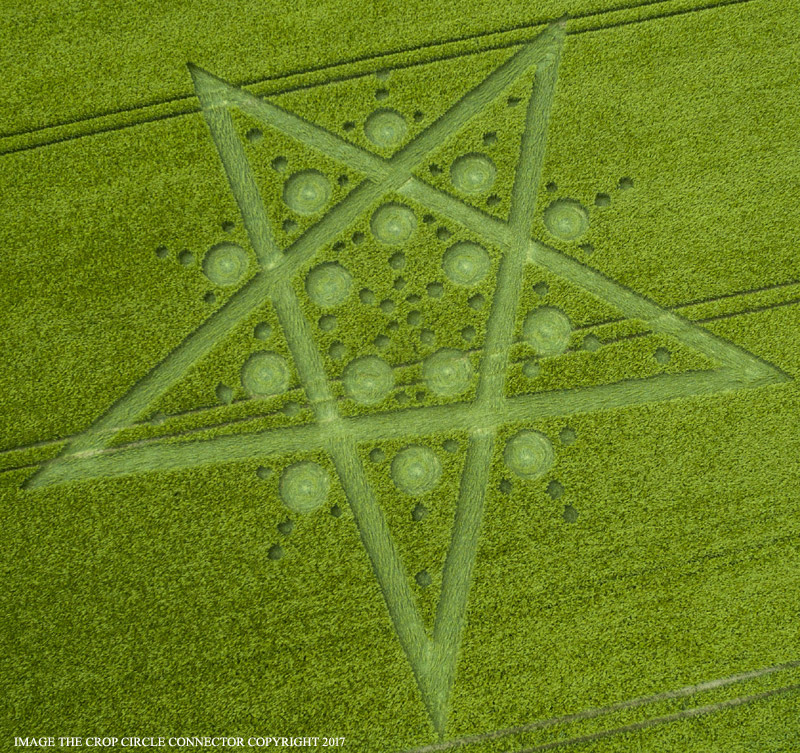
(447, 372)
(465, 263)
(415, 470)
(366, 380)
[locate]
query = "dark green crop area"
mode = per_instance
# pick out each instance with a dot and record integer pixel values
(421, 375)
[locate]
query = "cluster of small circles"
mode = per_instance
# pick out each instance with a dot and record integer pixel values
(567, 219)
(224, 264)
(303, 487)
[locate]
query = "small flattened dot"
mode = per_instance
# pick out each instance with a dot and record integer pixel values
(490, 139)
(262, 331)
(228, 226)
(443, 234)
(263, 472)
(414, 318)
(358, 238)
(419, 513)
(468, 333)
(387, 305)
(327, 323)
(427, 337)
(541, 289)
(401, 398)
(587, 248)
(383, 74)
(286, 527)
(602, 200)
(450, 445)
(161, 252)
(505, 486)
(291, 409)
(186, 258)
(435, 289)
(276, 552)
(224, 394)
(289, 226)
(531, 368)
(428, 219)
(493, 200)
(476, 302)
(399, 283)
(254, 135)
(392, 326)
(591, 343)
(625, 183)
(552, 187)
(381, 94)
(662, 355)
(567, 436)
(348, 125)
(382, 342)
(279, 164)
(343, 180)
(419, 116)
(413, 298)
(336, 511)
(435, 169)
(555, 489)
(337, 351)
(513, 101)
(210, 298)
(398, 260)
(423, 579)
(570, 514)
(366, 296)
(377, 455)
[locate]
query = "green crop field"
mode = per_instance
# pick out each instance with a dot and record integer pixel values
(401, 377)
